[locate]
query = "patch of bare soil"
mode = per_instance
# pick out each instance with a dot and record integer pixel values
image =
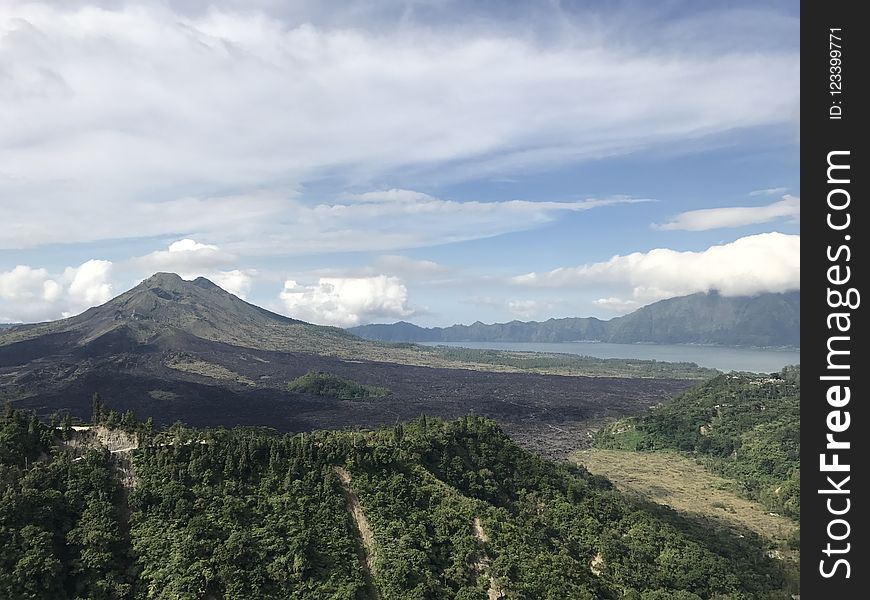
(597, 564)
(366, 553)
(483, 564)
(115, 440)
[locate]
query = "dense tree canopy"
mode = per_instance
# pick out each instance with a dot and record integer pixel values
(452, 510)
(328, 385)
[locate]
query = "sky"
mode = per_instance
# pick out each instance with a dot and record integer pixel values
(435, 162)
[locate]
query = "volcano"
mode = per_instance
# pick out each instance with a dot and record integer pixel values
(164, 307)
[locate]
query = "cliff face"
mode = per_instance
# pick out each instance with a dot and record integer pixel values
(98, 437)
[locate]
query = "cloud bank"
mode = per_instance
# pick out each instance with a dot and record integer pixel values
(31, 295)
(101, 99)
(768, 262)
(393, 222)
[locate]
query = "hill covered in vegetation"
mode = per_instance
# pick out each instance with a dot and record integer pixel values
(746, 428)
(704, 318)
(320, 383)
(426, 509)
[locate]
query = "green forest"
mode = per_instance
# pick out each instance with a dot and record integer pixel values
(328, 385)
(745, 427)
(569, 364)
(425, 509)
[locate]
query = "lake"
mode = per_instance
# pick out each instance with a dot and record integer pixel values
(756, 360)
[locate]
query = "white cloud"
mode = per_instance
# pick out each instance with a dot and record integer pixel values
(102, 100)
(776, 191)
(485, 301)
(23, 284)
(735, 216)
(392, 195)
(409, 268)
(30, 294)
(235, 282)
(182, 256)
(188, 245)
(88, 285)
(386, 224)
(768, 262)
(520, 308)
(617, 305)
(410, 271)
(191, 259)
(272, 225)
(528, 309)
(346, 301)
(394, 224)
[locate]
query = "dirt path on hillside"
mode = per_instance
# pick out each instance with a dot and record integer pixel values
(365, 553)
(482, 566)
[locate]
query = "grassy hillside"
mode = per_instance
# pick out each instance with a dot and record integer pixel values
(428, 509)
(670, 479)
(746, 428)
(674, 480)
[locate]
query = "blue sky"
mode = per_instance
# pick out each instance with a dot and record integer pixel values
(437, 162)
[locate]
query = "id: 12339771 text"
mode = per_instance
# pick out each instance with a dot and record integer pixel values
(835, 85)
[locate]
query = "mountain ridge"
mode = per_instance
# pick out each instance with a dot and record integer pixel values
(765, 320)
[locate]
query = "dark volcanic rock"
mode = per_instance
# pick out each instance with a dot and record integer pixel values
(549, 413)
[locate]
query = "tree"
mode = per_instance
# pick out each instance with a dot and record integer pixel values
(97, 409)
(37, 572)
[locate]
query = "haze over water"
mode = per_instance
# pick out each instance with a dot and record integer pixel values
(756, 360)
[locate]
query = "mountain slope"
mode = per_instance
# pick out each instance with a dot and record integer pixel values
(763, 320)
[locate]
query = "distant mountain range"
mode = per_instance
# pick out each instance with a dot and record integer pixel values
(705, 318)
